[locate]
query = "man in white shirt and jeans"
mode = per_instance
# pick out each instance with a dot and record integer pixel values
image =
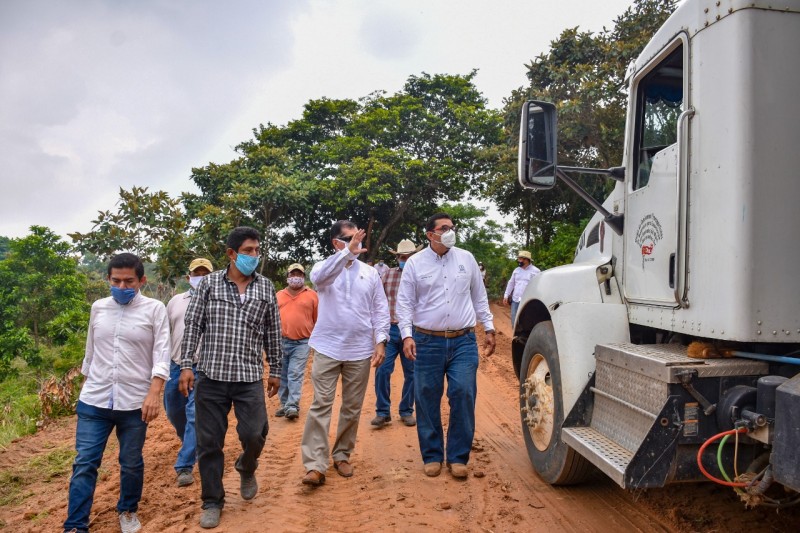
(351, 331)
(441, 295)
(126, 365)
(520, 278)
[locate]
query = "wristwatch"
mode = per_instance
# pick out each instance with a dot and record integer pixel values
(385, 342)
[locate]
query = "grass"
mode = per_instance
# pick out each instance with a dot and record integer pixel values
(14, 482)
(19, 407)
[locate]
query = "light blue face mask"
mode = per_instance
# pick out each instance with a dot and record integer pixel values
(401, 264)
(246, 264)
(122, 296)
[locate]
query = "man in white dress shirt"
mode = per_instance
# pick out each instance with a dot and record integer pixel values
(126, 364)
(441, 295)
(351, 331)
(520, 278)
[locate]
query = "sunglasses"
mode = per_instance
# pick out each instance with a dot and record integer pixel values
(344, 239)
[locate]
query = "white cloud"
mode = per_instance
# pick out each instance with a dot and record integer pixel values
(98, 95)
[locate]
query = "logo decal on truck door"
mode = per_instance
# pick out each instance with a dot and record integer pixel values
(647, 236)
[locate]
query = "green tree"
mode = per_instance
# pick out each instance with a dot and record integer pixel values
(4, 241)
(386, 161)
(42, 295)
(583, 74)
(151, 225)
(262, 189)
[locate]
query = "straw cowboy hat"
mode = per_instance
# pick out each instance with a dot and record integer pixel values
(406, 247)
(524, 253)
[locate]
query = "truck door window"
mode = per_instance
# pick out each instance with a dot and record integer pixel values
(659, 98)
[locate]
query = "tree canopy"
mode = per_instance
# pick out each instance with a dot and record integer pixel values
(387, 161)
(583, 74)
(42, 295)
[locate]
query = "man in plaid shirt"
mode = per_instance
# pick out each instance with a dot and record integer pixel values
(236, 313)
(383, 374)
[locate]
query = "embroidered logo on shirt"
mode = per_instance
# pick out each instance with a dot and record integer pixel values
(461, 269)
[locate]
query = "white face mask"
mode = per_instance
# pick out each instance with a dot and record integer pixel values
(295, 282)
(194, 281)
(448, 238)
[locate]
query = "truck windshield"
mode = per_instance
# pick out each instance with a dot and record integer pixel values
(659, 102)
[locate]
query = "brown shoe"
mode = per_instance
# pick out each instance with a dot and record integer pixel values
(433, 469)
(458, 470)
(344, 468)
(314, 478)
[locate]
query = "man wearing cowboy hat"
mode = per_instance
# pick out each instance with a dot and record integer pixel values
(520, 278)
(383, 374)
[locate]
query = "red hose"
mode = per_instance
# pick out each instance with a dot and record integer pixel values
(700, 458)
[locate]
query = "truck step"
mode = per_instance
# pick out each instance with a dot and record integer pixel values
(611, 458)
(638, 400)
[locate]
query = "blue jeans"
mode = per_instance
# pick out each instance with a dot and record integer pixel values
(514, 307)
(295, 357)
(457, 360)
(91, 436)
(383, 376)
(180, 413)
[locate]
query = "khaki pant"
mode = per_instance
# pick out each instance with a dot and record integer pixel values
(325, 373)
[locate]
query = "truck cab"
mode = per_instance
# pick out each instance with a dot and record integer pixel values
(691, 255)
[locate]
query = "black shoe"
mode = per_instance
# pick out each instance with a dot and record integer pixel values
(292, 413)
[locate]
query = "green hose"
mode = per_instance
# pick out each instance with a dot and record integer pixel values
(719, 458)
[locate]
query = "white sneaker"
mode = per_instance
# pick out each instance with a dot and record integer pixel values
(129, 522)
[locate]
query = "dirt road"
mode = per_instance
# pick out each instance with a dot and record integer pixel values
(389, 492)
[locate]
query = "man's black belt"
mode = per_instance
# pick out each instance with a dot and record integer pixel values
(448, 334)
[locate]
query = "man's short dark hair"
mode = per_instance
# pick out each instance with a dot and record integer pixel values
(431, 223)
(238, 235)
(339, 225)
(127, 260)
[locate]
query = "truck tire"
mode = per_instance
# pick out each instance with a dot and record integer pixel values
(542, 411)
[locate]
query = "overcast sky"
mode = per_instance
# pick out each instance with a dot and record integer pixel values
(100, 94)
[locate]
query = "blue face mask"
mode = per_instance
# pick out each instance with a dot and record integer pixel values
(122, 296)
(246, 264)
(401, 264)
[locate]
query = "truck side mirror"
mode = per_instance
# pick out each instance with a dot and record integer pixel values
(537, 145)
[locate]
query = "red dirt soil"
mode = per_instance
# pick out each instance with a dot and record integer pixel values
(389, 491)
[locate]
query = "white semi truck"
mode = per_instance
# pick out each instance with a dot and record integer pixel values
(696, 252)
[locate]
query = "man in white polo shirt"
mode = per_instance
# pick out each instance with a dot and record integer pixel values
(351, 331)
(441, 295)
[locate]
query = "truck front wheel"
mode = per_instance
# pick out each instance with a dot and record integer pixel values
(542, 410)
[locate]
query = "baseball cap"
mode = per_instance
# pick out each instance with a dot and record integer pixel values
(200, 262)
(296, 266)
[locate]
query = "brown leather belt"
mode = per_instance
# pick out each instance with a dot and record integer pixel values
(449, 334)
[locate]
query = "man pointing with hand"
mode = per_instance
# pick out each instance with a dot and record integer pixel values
(236, 313)
(441, 295)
